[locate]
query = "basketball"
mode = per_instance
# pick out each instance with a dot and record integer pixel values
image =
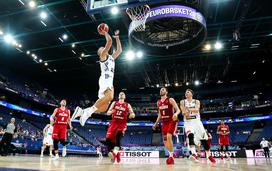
(102, 27)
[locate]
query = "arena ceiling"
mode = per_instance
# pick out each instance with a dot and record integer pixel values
(246, 60)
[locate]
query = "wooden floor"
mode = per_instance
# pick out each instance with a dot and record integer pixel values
(19, 163)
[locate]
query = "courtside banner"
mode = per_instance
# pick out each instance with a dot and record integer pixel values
(139, 154)
(259, 153)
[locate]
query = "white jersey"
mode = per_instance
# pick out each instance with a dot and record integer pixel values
(264, 144)
(49, 131)
(107, 68)
(107, 75)
(193, 115)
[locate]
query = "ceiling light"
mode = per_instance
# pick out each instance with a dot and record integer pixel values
(187, 83)
(73, 45)
(40, 60)
(8, 38)
(43, 15)
(1, 32)
(115, 10)
(82, 54)
(208, 47)
(196, 82)
(130, 55)
(21, 2)
(65, 36)
(28, 52)
(43, 23)
(32, 4)
(176, 84)
(45, 63)
(218, 45)
(139, 54)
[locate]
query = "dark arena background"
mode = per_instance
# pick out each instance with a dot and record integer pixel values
(220, 49)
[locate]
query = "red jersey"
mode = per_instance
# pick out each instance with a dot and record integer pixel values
(62, 116)
(121, 112)
(223, 129)
(166, 109)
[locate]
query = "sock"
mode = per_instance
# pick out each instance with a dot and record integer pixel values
(90, 110)
(193, 150)
(208, 154)
(50, 153)
(115, 150)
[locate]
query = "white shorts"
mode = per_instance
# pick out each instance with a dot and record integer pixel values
(48, 140)
(196, 127)
(104, 84)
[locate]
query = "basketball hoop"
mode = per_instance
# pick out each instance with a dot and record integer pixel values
(138, 15)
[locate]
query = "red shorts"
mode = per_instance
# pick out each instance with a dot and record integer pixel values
(114, 129)
(169, 127)
(59, 131)
(223, 140)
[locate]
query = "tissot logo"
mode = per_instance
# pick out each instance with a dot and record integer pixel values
(218, 154)
(139, 154)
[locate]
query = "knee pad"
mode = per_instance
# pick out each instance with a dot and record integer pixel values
(205, 145)
(56, 144)
(191, 139)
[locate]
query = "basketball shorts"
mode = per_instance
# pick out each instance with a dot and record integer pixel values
(169, 127)
(48, 140)
(223, 140)
(114, 129)
(196, 127)
(104, 84)
(59, 131)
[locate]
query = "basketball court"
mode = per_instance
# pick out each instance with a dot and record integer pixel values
(84, 163)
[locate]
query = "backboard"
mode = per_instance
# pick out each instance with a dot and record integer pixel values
(96, 6)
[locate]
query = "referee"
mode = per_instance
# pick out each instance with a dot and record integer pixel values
(10, 129)
(265, 146)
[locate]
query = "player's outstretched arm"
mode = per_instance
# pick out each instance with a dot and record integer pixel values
(52, 117)
(108, 45)
(177, 110)
(118, 44)
(131, 112)
(111, 110)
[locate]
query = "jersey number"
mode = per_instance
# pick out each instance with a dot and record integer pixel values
(119, 113)
(163, 112)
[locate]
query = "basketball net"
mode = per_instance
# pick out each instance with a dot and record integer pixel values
(138, 15)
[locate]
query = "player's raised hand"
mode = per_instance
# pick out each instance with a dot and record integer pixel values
(116, 34)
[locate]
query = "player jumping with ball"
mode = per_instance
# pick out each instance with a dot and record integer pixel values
(107, 65)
